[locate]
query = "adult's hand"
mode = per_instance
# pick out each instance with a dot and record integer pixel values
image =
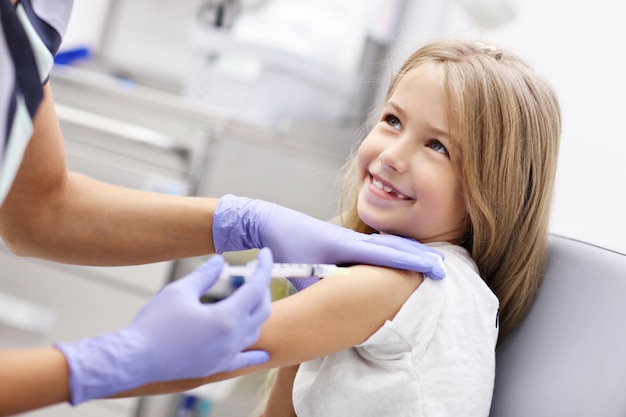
(175, 336)
(241, 223)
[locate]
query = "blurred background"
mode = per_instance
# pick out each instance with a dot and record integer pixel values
(354, 44)
(267, 98)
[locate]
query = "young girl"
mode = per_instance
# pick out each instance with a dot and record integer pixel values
(462, 158)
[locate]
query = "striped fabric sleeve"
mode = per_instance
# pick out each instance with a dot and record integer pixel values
(30, 35)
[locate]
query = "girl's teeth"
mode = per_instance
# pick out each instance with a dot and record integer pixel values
(388, 189)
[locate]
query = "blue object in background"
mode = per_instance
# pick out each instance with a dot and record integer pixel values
(69, 56)
(205, 406)
(187, 406)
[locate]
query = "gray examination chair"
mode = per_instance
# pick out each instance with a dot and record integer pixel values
(568, 356)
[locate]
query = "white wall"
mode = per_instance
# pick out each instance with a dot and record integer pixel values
(579, 46)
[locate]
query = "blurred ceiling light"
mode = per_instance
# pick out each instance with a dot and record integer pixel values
(489, 14)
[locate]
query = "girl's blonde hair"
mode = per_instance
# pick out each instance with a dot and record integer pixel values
(508, 123)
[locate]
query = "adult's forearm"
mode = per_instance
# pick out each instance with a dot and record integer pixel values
(31, 379)
(93, 223)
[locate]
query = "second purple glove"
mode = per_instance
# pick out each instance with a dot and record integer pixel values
(175, 336)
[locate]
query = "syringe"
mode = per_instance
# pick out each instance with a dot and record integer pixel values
(233, 276)
(281, 270)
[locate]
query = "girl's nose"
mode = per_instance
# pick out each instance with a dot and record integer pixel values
(395, 158)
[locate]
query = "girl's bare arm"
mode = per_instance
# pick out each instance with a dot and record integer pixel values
(279, 403)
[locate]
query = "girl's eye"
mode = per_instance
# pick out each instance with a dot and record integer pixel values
(437, 146)
(392, 121)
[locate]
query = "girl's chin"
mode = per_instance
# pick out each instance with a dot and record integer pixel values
(378, 226)
(374, 221)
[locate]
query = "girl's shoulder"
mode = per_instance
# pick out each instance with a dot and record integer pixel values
(455, 255)
(463, 276)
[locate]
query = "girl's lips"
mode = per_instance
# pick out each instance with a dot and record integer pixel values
(383, 186)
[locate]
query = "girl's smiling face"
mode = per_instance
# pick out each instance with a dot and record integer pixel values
(408, 186)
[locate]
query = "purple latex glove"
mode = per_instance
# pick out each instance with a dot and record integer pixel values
(241, 223)
(175, 336)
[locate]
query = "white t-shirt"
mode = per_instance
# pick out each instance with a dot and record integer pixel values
(30, 35)
(435, 358)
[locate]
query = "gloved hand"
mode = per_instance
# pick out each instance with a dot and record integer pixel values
(241, 223)
(175, 336)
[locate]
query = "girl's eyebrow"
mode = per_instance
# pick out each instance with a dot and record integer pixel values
(440, 133)
(396, 108)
